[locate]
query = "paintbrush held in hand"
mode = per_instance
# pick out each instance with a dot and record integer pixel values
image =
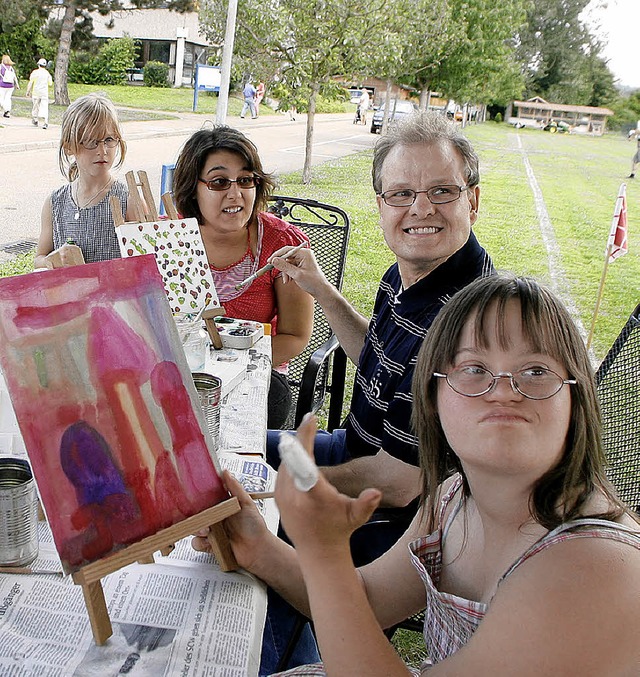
(268, 267)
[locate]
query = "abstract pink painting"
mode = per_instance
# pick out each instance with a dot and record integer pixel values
(106, 404)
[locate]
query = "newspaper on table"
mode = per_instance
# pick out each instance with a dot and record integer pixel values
(244, 410)
(178, 617)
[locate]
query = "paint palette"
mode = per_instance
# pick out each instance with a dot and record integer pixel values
(237, 333)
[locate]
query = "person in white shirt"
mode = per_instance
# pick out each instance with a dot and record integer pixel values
(8, 82)
(635, 134)
(363, 106)
(39, 82)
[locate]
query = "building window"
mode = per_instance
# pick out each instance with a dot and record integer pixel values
(160, 51)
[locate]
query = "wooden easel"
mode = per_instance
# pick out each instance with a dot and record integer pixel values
(144, 210)
(89, 576)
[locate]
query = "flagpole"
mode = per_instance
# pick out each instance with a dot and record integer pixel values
(616, 246)
(599, 298)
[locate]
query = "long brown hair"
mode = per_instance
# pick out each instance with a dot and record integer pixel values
(561, 493)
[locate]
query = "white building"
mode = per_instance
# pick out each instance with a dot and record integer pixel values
(165, 36)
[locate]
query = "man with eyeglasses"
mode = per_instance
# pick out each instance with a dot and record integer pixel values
(425, 175)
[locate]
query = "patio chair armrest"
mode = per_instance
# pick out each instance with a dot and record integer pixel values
(316, 362)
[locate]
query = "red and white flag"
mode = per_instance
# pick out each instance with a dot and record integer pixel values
(617, 243)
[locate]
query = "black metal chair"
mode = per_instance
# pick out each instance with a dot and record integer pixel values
(618, 383)
(320, 369)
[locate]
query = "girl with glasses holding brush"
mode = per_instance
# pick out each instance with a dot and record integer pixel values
(91, 145)
(219, 180)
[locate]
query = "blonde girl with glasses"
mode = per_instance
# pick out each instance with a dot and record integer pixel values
(219, 180)
(91, 146)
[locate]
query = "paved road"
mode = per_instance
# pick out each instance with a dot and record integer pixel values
(30, 170)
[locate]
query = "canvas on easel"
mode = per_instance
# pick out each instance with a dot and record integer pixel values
(109, 415)
(176, 244)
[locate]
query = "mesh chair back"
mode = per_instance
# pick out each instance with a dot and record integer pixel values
(618, 383)
(328, 230)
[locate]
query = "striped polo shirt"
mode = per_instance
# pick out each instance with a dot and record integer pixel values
(380, 413)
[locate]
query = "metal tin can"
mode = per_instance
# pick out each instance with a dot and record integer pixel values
(18, 513)
(209, 389)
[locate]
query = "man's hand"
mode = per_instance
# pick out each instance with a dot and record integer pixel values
(322, 518)
(246, 529)
(301, 267)
(399, 482)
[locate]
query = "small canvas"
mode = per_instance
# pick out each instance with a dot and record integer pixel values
(106, 405)
(181, 257)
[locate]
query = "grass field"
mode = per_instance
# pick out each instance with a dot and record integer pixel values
(136, 102)
(579, 179)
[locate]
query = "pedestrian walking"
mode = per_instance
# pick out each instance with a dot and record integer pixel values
(363, 106)
(8, 82)
(38, 88)
(635, 134)
(260, 89)
(249, 94)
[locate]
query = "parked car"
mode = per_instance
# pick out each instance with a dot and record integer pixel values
(354, 95)
(402, 108)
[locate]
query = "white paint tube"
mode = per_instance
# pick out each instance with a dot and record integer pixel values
(298, 462)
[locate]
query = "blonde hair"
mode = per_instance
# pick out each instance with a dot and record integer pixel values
(92, 116)
(6, 60)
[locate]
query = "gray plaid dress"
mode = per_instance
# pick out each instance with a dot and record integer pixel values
(94, 232)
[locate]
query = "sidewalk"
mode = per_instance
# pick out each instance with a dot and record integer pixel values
(18, 134)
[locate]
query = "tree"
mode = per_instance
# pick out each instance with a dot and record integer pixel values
(21, 36)
(561, 58)
(75, 11)
(309, 42)
(479, 62)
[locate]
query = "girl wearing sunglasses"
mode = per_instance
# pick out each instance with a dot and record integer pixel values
(219, 180)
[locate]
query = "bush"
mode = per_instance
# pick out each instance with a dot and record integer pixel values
(23, 263)
(498, 117)
(108, 67)
(156, 74)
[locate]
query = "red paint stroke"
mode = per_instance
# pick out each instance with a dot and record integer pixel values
(197, 471)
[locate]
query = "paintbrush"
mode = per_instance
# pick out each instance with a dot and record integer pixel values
(259, 495)
(268, 267)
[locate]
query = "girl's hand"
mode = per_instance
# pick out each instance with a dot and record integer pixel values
(246, 529)
(322, 518)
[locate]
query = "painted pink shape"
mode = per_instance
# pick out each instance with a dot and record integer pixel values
(197, 471)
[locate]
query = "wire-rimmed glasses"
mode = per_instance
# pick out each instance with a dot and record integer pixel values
(92, 144)
(534, 383)
(222, 183)
(438, 195)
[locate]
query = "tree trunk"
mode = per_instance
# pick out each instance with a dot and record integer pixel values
(425, 98)
(62, 58)
(308, 145)
(387, 108)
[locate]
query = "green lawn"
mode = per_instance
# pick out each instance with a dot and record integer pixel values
(579, 178)
(136, 102)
